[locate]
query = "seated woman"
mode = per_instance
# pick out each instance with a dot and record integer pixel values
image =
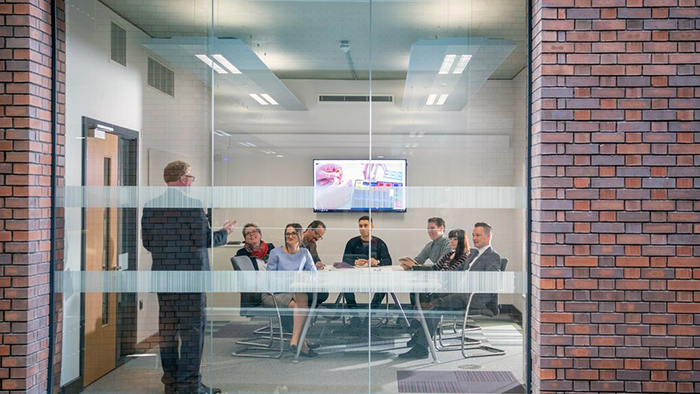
(451, 261)
(448, 262)
(254, 247)
(291, 257)
(258, 252)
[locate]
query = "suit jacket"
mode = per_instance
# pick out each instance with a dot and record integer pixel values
(355, 249)
(178, 238)
(484, 303)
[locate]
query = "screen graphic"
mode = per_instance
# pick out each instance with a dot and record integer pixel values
(359, 185)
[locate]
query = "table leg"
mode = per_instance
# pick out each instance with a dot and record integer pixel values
(306, 327)
(433, 352)
(328, 322)
(396, 301)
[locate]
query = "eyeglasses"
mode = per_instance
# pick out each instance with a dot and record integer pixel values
(318, 236)
(190, 176)
(249, 233)
(290, 234)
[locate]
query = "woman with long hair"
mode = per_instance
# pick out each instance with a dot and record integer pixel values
(460, 247)
(292, 257)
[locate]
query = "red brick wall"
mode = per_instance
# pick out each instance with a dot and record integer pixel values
(616, 189)
(25, 175)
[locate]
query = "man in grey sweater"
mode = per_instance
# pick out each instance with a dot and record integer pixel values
(438, 246)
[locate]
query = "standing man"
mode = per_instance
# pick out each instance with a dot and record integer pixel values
(313, 234)
(357, 253)
(481, 258)
(176, 231)
(438, 246)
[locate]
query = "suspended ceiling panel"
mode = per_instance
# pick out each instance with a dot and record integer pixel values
(301, 39)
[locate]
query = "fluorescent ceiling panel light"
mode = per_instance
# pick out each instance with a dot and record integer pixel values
(211, 64)
(442, 99)
(247, 144)
(415, 145)
(269, 99)
(462, 64)
(421, 134)
(224, 62)
(258, 99)
(280, 155)
(431, 99)
(447, 64)
(221, 133)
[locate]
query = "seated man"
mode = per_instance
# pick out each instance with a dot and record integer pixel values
(312, 235)
(434, 250)
(357, 253)
(481, 258)
(438, 246)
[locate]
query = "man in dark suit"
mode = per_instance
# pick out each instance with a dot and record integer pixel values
(481, 258)
(176, 231)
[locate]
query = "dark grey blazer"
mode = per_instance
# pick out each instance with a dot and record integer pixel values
(178, 238)
(485, 303)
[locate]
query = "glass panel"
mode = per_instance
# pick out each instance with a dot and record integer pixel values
(277, 151)
(459, 122)
(357, 120)
(136, 101)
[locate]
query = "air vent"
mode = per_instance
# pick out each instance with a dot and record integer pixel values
(354, 98)
(161, 77)
(118, 47)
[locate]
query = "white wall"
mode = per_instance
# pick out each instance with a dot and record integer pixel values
(100, 89)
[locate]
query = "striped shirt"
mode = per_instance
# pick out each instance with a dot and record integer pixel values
(445, 263)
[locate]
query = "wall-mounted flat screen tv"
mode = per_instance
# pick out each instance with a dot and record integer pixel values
(360, 185)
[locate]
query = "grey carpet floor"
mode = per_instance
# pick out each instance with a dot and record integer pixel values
(346, 363)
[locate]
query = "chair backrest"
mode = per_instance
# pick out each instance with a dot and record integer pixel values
(242, 263)
(504, 264)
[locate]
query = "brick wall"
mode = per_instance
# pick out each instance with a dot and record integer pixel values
(616, 188)
(25, 171)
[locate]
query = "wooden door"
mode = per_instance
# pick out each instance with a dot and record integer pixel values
(101, 255)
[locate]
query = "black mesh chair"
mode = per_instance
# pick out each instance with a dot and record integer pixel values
(467, 343)
(251, 307)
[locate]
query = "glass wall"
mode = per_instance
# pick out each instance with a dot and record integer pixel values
(295, 196)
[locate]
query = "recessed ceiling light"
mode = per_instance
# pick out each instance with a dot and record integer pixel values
(280, 155)
(258, 99)
(421, 134)
(221, 133)
(442, 99)
(269, 99)
(462, 64)
(431, 99)
(380, 157)
(447, 64)
(224, 62)
(211, 64)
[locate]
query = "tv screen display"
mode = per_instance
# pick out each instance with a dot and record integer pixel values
(360, 185)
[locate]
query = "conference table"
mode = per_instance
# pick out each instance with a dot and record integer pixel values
(389, 279)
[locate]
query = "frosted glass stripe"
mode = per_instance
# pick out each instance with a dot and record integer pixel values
(364, 280)
(486, 197)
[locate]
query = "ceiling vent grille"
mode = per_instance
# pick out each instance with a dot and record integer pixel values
(354, 98)
(118, 47)
(161, 77)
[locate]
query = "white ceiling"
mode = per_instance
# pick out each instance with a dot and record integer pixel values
(301, 39)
